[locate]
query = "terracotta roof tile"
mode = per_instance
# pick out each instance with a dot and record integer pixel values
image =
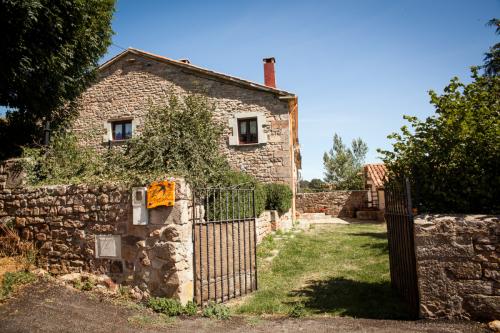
(377, 173)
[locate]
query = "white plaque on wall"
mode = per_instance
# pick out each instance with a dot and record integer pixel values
(108, 246)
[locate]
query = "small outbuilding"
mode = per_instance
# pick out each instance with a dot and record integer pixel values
(375, 175)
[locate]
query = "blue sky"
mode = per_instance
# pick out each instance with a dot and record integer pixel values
(357, 66)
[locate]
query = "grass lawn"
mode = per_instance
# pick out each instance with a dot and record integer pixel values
(333, 270)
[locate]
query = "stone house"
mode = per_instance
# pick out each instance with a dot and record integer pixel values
(261, 135)
(375, 175)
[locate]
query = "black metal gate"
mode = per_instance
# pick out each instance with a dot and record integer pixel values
(224, 240)
(400, 234)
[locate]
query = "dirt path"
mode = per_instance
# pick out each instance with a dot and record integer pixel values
(46, 307)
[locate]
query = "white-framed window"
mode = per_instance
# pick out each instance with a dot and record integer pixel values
(119, 129)
(248, 129)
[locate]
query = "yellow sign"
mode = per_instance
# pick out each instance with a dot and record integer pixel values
(161, 193)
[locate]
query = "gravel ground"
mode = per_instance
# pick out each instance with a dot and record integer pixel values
(47, 307)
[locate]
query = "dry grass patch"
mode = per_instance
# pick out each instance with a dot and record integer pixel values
(151, 321)
(9, 265)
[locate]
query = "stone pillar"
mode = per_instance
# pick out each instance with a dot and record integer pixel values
(164, 263)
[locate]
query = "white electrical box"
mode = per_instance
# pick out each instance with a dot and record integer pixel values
(108, 246)
(139, 209)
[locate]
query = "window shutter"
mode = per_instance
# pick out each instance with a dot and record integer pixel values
(233, 138)
(108, 135)
(261, 120)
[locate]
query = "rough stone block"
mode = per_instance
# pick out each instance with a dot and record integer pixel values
(483, 307)
(492, 274)
(464, 270)
(474, 287)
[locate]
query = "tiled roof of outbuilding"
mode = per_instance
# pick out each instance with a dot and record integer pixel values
(377, 174)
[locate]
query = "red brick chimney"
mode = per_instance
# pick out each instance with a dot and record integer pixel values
(269, 77)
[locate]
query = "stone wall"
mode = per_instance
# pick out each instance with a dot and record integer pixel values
(335, 203)
(458, 265)
(271, 220)
(63, 222)
(128, 87)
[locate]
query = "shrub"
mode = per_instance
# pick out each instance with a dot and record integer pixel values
(167, 306)
(88, 285)
(191, 308)
(63, 161)
(216, 310)
(180, 138)
(279, 197)
(243, 180)
(297, 311)
(84, 284)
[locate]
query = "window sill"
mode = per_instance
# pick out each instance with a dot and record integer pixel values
(117, 142)
(249, 144)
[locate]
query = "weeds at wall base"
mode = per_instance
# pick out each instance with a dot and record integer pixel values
(216, 311)
(12, 280)
(171, 307)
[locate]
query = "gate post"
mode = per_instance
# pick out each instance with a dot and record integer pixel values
(184, 246)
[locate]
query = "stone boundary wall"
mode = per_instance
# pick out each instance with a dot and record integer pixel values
(458, 266)
(63, 222)
(334, 203)
(271, 220)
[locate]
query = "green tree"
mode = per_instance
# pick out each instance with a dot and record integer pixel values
(304, 185)
(492, 57)
(48, 56)
(452, 158)
(317, 185)
(343, 166)
(180, 138)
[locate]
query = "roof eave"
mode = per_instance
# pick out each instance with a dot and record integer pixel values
(249, 84)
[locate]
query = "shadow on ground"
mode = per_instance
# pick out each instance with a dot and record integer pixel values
(383, 247)
(376, 235)
(346, 297)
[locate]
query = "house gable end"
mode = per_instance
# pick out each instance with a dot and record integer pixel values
(192, 69)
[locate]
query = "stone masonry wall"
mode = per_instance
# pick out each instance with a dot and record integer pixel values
(458, 266)
(271, 220)
(335, 203)
(127, 88)
(63, 222)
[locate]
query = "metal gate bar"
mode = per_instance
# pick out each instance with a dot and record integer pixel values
(400, 235)
(224, 231)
